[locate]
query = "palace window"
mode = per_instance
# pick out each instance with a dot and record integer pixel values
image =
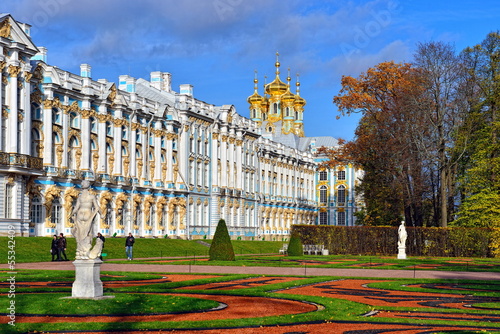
(340, 195)
(109, 129)
(56, 116)
(36, 112)
(74, 120)
(323, 175)
(9, 201)
(341, 218)
(323, 218)
(323, 194)
(56, 212)
(36, 210)
(341, 174)
(93, 125)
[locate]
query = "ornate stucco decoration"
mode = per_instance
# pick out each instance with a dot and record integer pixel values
(160, 204)
(5, 29)
(136, 202)
(105, 198)
(14, 70)
(119, 202)
(50, 194)
(148, 202)
(69, 197)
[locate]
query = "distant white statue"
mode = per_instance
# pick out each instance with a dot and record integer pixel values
(402, 235)
(84, 212)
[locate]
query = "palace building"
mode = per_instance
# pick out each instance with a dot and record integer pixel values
(161, 162)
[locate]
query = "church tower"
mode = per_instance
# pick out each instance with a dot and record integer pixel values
(279, 112)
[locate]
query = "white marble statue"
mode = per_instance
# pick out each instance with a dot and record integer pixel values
(402, 235)
(84, 212)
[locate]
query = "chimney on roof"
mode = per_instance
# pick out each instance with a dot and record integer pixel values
(85, 71)
(42, 55)
(161, 80)
(186, 89)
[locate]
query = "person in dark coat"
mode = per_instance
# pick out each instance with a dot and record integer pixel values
(61, 246)
(54, 248)
(100, 236)
(129, 243)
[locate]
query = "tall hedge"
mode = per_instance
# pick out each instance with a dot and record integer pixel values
(295, 246)
(221, 248)
(382, 240)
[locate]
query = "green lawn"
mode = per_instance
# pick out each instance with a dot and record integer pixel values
(36, 249)
(150, 298)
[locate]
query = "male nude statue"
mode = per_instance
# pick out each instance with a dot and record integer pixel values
(84, 212)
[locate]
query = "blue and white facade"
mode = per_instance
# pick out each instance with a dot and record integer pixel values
(161, 163)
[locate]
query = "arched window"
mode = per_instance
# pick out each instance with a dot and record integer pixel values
(73, 147)
(35, 142)
(36, 112)
(93, 125)
(94, 153)
(341, 195)
(56, 116)
(124, 132)
(9, 200)
(109, 129)
(36, 210)
(323, 194)
(323, 218)
(74, 120)
(56, 212)
(341, 218)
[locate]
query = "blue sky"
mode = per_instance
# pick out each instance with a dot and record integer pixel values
(216, 45)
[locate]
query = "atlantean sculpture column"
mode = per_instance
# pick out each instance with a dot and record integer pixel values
(87, 263)
(402, 235)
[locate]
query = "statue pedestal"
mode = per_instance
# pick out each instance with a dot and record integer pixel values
(401, 253)
(87, 282)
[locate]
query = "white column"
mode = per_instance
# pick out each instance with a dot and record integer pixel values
(230, 159)
(26, 106)
(13, 121)
(170, 174)
(86, 148)
(48, 159)
(132, 142)
(101, 138)
(117, 140)
(157, 142)
(183, 157)
(65, 133)
(223, 161)
(239, 164)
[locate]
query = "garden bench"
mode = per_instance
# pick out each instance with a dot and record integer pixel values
(316, 249)
(284, 249)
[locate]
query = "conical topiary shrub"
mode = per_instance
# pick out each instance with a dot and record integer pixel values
(295, 246)
(221, 248)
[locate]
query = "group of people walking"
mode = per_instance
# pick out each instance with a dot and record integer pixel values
(58, 247)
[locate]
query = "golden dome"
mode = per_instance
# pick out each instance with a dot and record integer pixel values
(299, 100)
(255, 98)
(288, 97)
(277, 87)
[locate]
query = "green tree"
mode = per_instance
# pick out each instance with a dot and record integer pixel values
(221, 248)
(480, 172)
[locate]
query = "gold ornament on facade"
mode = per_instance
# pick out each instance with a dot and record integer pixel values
(70, 196)
(14, 70)
(50, 194)
(38, 72)
(59, 154)
(126, 164)
(112, 94)
(28, 76)
(104, 199)
(148, 202)
(2, 65)
(85, 114)
(36, 96)
(5, 80)
(5, 29)
(78, 156)
(95, 159)
(160, 204)
(111, 163)
(102, 118)
(140, 164)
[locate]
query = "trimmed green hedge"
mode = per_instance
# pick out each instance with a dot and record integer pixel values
(378, 240)
(221, 248)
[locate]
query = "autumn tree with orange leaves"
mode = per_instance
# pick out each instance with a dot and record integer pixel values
(387, 147)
